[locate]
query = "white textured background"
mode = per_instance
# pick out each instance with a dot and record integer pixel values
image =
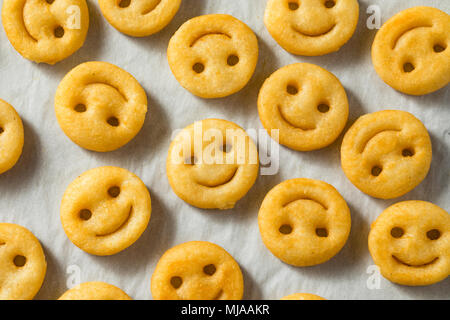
(31, 192)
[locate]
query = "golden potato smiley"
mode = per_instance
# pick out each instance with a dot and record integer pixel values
(100, 106)
(302, 296)
(212, 164)
(95, 291)
(306, 103)
(22, 263)
(139, 18)
(213, 56)
(410, 51)
(45, 31)
(311, 27)
(304, 222)
(197, 270)
(11, 136)
(387, 153)
(105, 210)
(410, 242)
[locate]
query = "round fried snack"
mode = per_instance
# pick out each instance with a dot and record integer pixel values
(139, 18)
(311, 27)
(306, 103)
(22, 263)
(100, 106)
(304, 222)
(11, 136)
(386, 154)
(213, 56)
(410, 243)
(105, 210)
(212, 164)
(45, 30)
(197, 270)
(95, 291)
(302, 296)
(410, 51)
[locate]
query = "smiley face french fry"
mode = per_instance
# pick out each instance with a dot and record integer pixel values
(410, 243)
(306, 103)
(95, 291)
(46, 31)
(11, 136)
(311, 27)
(304, 222)
(387, 153)
(100, 106)
(197, 270)
(22, 263)
(105, 210)
(213, 56)
(212, 164)
(139, 18)
(410, 51)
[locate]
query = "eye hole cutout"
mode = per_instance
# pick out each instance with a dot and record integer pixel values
(114, 191)
(439, 48)
(1, 130)
(407, 152)
(210, 269)
(408, 67)
(397, 232)
(50, 1)
(85, 214)
(19, 261)
(376, 171)
(176, 282)
(80, 108)
(226, 148)
(232, 60)
(285, 229)
(198, 67)
(292, 89)
(124, 3)
(323, 108)
(322, 232)
(191, 161)
(433, 234)
(58, 32)
(113, 121)
(293, 5)
(330, 4)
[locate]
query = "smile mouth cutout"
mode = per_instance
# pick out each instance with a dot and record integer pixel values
(120, 227)
(415, 266)
(283, 117)
(222, 183)
(219, 294)
(311, 34)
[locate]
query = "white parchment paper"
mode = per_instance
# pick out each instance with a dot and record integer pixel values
(31, 192)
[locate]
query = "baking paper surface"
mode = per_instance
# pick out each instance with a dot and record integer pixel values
(30, 193)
